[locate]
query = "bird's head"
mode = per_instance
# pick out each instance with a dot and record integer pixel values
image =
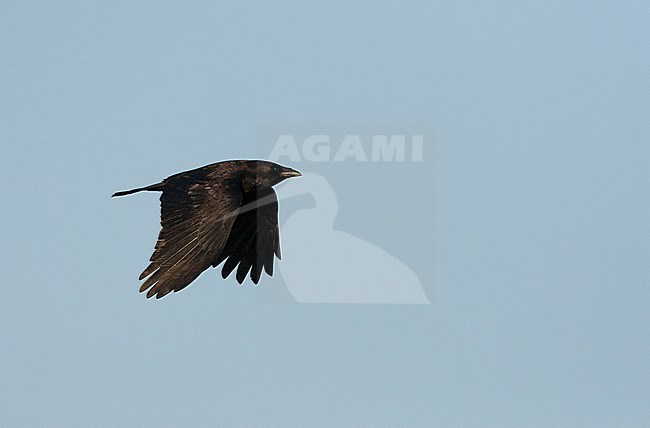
(264, 174)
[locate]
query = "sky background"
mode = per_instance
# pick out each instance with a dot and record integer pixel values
(527, 221)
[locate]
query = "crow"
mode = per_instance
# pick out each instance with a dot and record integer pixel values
(223, 211)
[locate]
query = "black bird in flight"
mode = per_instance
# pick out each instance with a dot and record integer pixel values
(222, 211)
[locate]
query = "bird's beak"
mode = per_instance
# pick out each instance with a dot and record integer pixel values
(288, 173)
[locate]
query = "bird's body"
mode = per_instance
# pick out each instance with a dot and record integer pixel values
(222, 211)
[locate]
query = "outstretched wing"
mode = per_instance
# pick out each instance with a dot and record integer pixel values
(196, 218)
(254, 238)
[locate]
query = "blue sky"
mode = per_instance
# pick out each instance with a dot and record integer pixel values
(526, 222)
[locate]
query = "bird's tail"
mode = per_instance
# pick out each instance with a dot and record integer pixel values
(158, 187)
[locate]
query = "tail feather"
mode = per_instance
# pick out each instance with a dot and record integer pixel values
(158, 187)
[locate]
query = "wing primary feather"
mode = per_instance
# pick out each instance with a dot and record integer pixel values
(194, 230)
(253, 239)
